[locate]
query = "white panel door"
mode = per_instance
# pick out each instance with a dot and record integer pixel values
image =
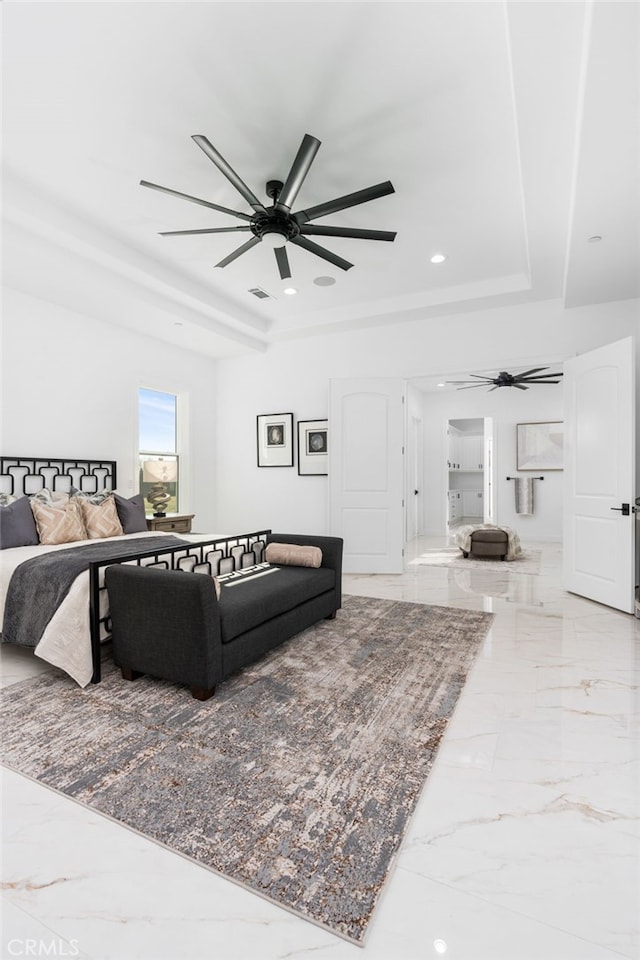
(599, 530)
(366, 473)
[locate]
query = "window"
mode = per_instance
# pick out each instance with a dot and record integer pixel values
(159, 464)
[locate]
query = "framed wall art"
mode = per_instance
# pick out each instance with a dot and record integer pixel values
(540, 445)
(313, 449)
(275, 439)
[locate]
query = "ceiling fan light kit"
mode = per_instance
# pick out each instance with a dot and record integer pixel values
(275, 225)
(521, 381)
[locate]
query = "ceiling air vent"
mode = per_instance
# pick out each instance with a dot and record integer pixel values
(260, 293)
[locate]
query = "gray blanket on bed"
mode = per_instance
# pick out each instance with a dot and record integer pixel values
(38, 586)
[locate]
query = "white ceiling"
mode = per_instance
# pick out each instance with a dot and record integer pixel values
(509, 131)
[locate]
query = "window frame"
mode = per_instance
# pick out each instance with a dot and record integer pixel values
(177, 487)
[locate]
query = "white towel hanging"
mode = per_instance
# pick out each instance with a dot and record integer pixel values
(524, 496)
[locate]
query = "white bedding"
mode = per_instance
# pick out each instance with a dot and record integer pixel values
(66, 641)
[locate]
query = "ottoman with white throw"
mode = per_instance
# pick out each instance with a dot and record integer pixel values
(488, 540)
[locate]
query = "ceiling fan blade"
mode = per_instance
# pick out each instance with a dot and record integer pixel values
(237, 253)
(311, 229)
(526, 373)
(518, 386)
(299, 169)
(203, 203)
(321, 252)
(473, 386)
(540, 379)
(187, 233)
(283, 262)
(229, 172)
(341, 203)
(538, 383)
(481, 376)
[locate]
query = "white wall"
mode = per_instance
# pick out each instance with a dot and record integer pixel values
(69, 389)
(70, 382)
(293, 377)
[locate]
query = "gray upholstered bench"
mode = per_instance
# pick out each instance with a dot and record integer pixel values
(488, 543)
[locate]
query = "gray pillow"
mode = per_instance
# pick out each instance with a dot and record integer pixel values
(131, 513)
(18, 525)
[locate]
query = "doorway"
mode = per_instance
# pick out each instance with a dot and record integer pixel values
(469, 482)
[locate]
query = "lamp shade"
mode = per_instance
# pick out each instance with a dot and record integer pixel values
(160, 471)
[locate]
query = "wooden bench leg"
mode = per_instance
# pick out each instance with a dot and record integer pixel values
(130, 674)
(202, 693)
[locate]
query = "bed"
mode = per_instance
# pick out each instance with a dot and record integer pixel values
(52, 595)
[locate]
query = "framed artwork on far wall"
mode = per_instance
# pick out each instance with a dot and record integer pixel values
(540, 445)
(313, 449)
(275, 439)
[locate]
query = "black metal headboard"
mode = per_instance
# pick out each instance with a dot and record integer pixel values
(25, 475)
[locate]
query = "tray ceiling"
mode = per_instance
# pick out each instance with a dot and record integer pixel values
(509, 131)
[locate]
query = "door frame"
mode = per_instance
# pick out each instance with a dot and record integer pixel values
(415, 476)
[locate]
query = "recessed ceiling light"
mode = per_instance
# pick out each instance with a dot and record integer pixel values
(438, 258)
(324, 281)
(290, 291)
(596, 238)
(440, 384)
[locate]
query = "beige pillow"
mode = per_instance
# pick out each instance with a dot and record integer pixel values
(61, 523)
(100, 519)
(293, 554)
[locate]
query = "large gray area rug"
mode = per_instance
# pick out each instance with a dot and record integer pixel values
(529, 562)
(296, 780)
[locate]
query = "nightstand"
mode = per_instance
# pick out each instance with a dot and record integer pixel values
(174, 522)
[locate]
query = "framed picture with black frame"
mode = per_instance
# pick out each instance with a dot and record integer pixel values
(275, 439)
(313, 448)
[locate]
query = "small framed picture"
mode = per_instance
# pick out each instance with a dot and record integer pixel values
(313, 448)
(275, 440)
(539, 445)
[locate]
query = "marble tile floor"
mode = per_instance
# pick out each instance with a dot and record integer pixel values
(525, 844)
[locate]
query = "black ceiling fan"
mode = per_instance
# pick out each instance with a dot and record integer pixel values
(276, 224)
(521, 381)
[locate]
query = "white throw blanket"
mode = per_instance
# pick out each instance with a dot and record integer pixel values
(463, 538)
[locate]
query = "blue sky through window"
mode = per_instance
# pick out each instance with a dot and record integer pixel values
(157, 421)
